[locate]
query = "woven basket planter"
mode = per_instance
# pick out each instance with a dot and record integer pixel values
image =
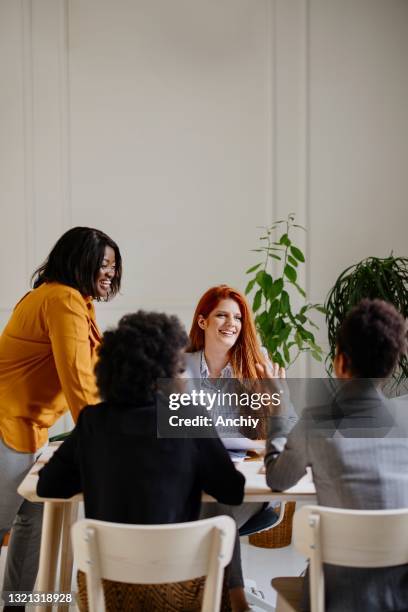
(279, 536)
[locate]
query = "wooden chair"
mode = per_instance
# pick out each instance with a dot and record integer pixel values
(349, 538)
(154, 554)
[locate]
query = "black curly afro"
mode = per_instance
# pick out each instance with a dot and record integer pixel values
(144, 347)
(372, 338)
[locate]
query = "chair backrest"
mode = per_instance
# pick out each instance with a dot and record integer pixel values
(154, 554)
(351, 538)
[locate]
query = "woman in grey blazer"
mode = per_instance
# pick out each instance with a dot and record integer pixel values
(357, 446)
(223, 348)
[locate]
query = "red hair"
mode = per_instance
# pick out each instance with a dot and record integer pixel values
(246, 352)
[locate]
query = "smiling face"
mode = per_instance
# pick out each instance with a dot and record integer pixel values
(105, 274)
(223, 325)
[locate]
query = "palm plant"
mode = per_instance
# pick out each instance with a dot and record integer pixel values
(385, 279)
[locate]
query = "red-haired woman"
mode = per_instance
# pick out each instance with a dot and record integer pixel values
(224, 344)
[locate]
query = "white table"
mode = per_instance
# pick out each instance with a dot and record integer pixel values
(59, 514)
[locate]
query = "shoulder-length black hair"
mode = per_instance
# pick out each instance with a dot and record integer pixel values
(75, 261)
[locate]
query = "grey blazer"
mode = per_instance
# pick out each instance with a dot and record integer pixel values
(357, 447)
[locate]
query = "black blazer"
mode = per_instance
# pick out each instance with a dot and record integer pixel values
(129, 475)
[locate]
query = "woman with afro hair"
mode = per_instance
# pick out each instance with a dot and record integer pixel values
(114, 456)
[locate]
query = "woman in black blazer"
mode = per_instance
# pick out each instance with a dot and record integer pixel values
(114, 457)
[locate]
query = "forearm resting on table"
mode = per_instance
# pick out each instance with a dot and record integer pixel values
(285, 457)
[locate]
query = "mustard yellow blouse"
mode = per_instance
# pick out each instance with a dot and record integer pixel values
(47, 358)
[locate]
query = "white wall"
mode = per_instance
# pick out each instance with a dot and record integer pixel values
(179, 126)
(358, 134)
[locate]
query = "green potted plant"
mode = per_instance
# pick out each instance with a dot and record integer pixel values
(373, 277)
(285, 333)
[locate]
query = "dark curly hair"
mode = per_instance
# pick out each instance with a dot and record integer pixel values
(75, 260)
(372, 338)
(144, 347)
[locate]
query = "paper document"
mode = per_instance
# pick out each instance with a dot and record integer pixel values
(237, 444)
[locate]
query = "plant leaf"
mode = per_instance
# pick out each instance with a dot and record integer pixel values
(301, 291)
(262, 321)
(274, 309)
(284, 333)
(277, 358)
(292, 261)
(290, 273)
(284, 302)
(271, 344)
(275, 289)
(299, 340)
(250, 286)
(257, 300)
(284, 239)
(265, 281)
(253, 269)
(279, 325)
(297, 253)
(306, 335)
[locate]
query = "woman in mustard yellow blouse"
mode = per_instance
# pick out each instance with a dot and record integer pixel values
(47, 356)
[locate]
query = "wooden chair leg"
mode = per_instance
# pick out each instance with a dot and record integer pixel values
(50, 545)
(70, 515)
